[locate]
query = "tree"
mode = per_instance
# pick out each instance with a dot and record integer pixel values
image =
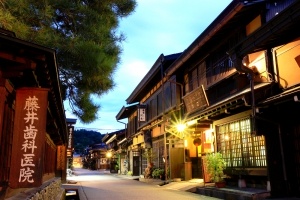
(84, 35)
(84, 138)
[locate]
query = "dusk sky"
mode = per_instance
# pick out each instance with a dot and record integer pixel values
(156, 27)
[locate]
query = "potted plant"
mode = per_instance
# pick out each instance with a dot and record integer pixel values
(158, 173)
(149, 155)
(215, 165)
(162, 174)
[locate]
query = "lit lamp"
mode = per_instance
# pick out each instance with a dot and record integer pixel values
(165, 157)
(180, 127)
(108, 156)
(177, 128)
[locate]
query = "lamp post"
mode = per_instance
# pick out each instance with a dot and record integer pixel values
(177, 128)
(163, 80)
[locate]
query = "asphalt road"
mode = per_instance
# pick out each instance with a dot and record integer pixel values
(96, 185)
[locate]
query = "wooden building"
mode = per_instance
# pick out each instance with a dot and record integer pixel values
(115, 154)
(145, 112)
(33, 128)
(239, 84)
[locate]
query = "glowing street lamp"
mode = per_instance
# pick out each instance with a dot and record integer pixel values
(108, 154)
(180, 127)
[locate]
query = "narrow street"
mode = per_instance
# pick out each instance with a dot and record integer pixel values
(95, 185)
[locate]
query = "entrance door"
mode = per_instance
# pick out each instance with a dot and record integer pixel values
(196, 167)
(177, 169)
(136, 164)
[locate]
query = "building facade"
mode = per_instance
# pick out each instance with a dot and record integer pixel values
(33, 128)
(240, 86)
(116, 152)
(145, 115)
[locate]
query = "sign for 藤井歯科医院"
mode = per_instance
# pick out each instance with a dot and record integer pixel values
(27, 162)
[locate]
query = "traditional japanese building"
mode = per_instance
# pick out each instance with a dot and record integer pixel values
(149, 103)
(240, 93)
(115, 153)
(33, 128)
(241, 82)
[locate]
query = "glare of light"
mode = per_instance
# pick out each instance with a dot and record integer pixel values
(108, 154)
(185, 143)
(190, 123)
(180, 127)
(209, 131)
(226, 137)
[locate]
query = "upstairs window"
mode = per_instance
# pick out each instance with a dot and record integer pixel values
(219, 67)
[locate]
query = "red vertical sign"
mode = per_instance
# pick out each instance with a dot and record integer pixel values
(29, 138)
(70, 141)
(61, 157)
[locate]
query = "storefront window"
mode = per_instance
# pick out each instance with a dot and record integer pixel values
(158, 149)
(239, 147)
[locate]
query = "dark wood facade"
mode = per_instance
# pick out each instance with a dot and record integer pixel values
(247, 61)
(249, 68)
(32, 118)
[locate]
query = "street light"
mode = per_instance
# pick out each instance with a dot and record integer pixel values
(180, 127)
(163, 80)
(108, 156)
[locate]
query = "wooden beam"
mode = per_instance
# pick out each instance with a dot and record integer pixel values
(25, 62)
(11, 74)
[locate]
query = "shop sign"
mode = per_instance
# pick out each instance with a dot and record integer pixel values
(70, 141)
(61, 157)
(142, 114)
(29, 135)
(196, 100)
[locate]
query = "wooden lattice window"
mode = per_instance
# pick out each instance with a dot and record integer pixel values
(239, 147)
(158, 149)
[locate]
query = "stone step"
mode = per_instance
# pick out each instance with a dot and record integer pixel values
(230, 193)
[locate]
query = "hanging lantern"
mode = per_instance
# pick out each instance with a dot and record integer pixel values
(197, 142)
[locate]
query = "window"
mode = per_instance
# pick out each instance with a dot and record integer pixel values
(132, 125)
(144, 162)
(238, 147)
(159, 104)
(219, 67)
(194, 79)
(167, 95)
(158, 149)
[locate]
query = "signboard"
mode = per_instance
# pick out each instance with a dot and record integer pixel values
(196, 100)
(70, 141)
(61, 157)
(29, 135)
(142, 114)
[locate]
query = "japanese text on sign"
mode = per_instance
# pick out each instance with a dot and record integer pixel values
(29, 135)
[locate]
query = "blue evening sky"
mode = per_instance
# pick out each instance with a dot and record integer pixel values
(156, 27)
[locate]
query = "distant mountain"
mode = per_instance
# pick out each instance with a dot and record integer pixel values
(84, 138)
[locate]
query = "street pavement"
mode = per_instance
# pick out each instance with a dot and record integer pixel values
(101, 184)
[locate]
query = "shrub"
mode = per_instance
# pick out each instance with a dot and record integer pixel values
(157, 173)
